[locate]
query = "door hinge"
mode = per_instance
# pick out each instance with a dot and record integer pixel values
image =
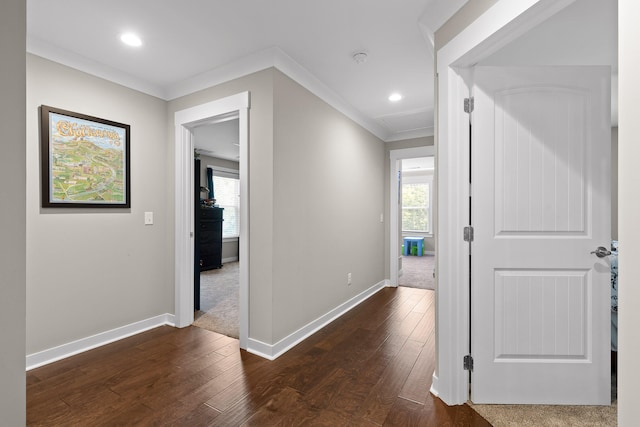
(468, 363)
(468, 105)
(468, 234)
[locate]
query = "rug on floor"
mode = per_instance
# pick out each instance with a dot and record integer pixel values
(417, 272)
(219, 295)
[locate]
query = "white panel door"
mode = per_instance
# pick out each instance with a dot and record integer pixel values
(540, 206)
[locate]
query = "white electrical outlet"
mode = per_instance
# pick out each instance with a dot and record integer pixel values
(348, 278)
(381, 217)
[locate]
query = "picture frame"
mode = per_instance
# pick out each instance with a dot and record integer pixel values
(85, 160)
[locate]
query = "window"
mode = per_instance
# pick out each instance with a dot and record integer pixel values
(227, 193)
(416, 203)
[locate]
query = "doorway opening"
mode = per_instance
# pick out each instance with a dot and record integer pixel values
(217, 226)
(395, 218)
(186, 122)
(417, 239)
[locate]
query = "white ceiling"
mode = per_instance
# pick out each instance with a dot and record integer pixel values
(219, 140)
(192, 44)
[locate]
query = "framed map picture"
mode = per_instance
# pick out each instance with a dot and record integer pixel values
(85, 160)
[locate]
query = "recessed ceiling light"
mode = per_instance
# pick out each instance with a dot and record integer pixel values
(131, 39)
(394, 97)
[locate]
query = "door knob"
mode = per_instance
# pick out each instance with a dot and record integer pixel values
(601, 252)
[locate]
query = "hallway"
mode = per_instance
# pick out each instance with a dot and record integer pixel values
(372, 366)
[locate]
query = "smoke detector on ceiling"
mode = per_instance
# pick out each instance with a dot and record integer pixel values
(360, 57)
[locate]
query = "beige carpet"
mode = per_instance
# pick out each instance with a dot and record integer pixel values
(219, 295)
(417, 272)
(548, 415)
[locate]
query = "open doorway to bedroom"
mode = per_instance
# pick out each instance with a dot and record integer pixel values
(217, 225)
(185, 122)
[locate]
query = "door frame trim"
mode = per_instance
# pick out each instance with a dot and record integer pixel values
(185, 121)
(394, 157)
(502, 23)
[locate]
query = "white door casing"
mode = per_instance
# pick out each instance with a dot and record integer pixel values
(540, 205)
(185, 120)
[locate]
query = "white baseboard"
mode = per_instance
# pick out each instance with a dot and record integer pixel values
(272, 351)
(429, 252)
(54, 354)
(434, 385)
(230, 259)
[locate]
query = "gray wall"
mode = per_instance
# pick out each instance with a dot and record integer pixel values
(260, 85)
(92, 270)
(13, 26)
(629, 205)
(327, 187)
(229, 249)
(315, 181)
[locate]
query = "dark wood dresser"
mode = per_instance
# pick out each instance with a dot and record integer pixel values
(210, 233)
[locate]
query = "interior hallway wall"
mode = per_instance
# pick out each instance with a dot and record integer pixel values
(13, 28)
(328, 181)
(260, 86)
(629, 212)
(93, 270)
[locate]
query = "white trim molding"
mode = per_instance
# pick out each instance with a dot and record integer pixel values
(273, 351)
(267, 58)
(185, 121)
(63, 351)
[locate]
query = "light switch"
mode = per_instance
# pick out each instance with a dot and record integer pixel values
(148, 218)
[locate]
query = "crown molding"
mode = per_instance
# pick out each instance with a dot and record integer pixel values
(53, 53)
(276, 58)
(306, 79)
(271, 57)
(410, 134)
(242, 67)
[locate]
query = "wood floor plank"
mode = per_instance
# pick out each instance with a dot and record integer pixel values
(276, 409)
(427, 300)
(426, 326)
(371, 367)
(406, 414)
(203, 415)
(416, 388)
(386, 390)
(320, 395)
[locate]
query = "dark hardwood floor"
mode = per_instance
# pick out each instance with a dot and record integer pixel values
(370, 367)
